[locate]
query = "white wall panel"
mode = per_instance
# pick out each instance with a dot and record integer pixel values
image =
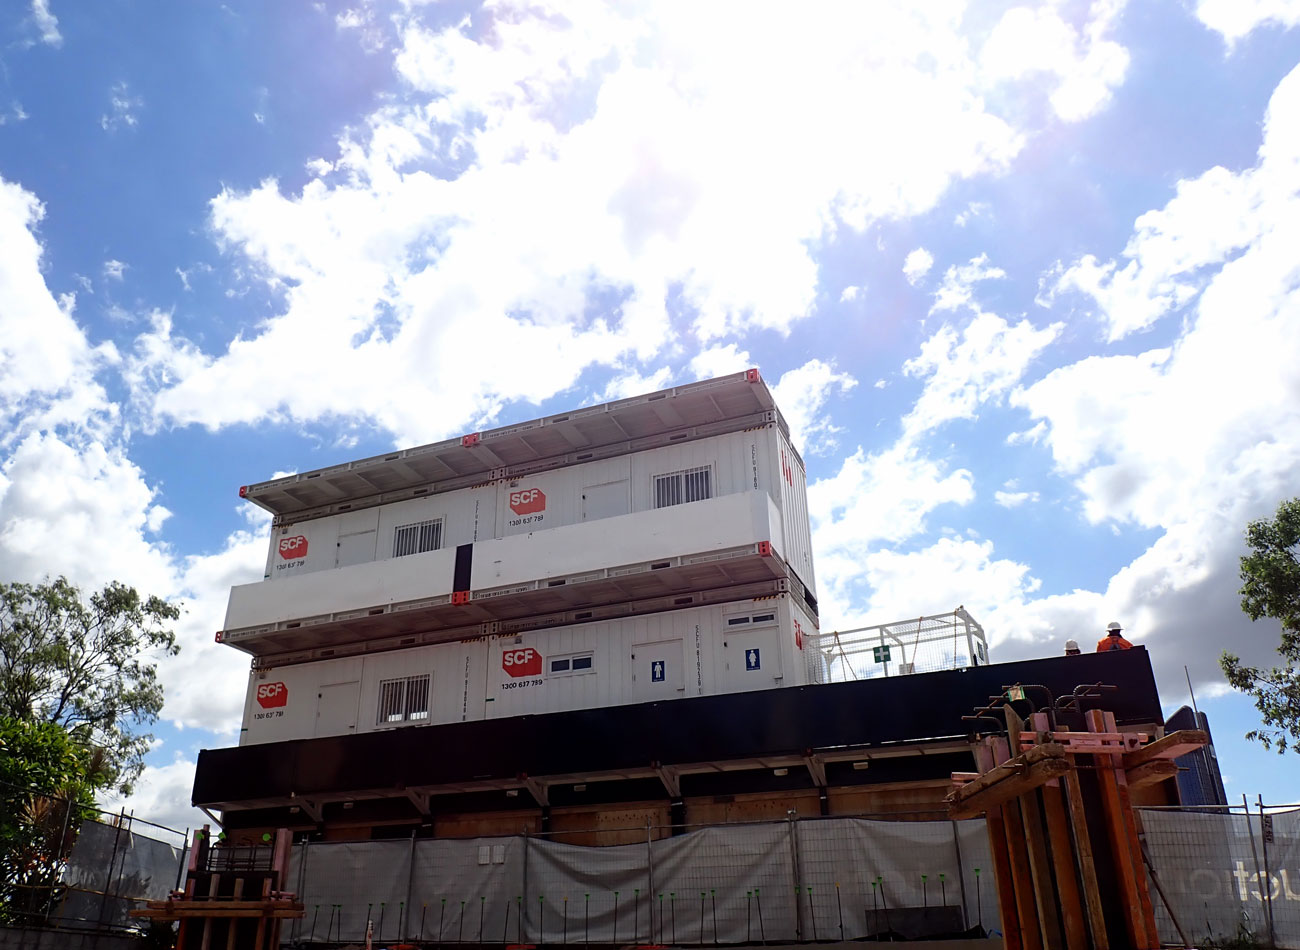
(717, 524)
(325, 592)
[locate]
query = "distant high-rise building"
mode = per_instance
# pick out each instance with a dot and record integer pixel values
(1199, 779)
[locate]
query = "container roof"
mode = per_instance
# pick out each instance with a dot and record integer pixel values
(695, 410)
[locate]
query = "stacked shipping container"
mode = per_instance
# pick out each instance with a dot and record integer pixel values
(674, 561)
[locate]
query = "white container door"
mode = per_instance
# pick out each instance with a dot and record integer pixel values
(657, 671)
(607, 500)
(750, 660)
(358, 548)
(336, 709)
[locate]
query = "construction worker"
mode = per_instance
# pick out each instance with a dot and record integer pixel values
(1071, 647)
(1113, 639)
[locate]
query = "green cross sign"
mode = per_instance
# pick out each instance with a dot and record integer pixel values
(881, 654)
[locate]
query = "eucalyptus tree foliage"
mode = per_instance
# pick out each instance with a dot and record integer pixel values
(1270, 576)
(88, 665)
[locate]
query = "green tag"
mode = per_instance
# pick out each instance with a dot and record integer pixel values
(881, 654)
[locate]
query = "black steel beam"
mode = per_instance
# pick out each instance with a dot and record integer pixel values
(866, 714)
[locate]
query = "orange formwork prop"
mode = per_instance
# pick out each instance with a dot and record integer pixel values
(1045, 826)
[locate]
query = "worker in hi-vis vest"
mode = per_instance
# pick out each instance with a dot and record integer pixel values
(1113, 639)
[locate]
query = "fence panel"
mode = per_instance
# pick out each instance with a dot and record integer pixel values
(724, 884)
(346, 883)
(578, 893)
(112, 869)
(1214, 869)
(468, 889)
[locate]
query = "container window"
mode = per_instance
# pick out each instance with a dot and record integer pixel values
(404, 700)
(572, 663)
(764, 618)
(417, 538)
(736, 621)
(679, 488)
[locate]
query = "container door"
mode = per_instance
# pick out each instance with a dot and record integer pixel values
(336, 709)
(750, 660)
(607, 500)
(657, 671)
(356, 548)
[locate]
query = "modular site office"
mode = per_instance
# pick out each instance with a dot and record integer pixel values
(670, 529)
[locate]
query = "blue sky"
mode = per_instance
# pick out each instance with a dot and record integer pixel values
(1023, 278)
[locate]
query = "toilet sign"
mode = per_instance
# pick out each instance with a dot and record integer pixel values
(752, 661)
(656, 671)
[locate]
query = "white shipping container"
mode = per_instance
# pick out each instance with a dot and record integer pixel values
(758, 459)
(701, 651)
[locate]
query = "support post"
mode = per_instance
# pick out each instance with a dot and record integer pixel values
(996, 821)
(1062, 856)
(1126, 874)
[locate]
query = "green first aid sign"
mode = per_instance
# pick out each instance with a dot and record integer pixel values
(881, 654)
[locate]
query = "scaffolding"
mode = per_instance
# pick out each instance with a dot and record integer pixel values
(947, 641)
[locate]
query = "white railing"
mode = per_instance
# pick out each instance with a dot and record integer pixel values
(949, 641)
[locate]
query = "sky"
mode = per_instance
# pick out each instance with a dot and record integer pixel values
(1024, 280)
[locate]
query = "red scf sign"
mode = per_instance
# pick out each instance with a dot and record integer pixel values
(798, 635)
(522, 662)
(294, 547)
(527, 500)
(271, 695)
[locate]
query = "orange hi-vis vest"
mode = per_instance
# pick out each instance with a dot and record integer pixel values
(1106, 644)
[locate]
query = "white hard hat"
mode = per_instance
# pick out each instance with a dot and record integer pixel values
(1071, 645)
(1113, 625)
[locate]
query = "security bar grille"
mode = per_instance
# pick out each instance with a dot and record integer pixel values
(404, 700)
(417, 538)
(677, 488)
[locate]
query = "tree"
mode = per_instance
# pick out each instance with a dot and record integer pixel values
(1270, 576)
(47, 783)
(86, 666)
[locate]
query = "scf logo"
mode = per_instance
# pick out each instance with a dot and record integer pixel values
(291, 548)
(527, 500)
(271, 695)
(525, 662)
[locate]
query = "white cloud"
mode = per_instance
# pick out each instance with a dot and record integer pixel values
(1192, 440)
(124, 109)
(1014, 499)
(802, 394)
(630, 382)
(917, 264)
(719, 361)
(47, 366)
(47, 23)
(951, 572)
(1234, 19)
(1176, 250)
(114, 269)
(959, 283)
(970, 212)
(850, 293)
(963, 369)
(162, 795)
(875, 499)
(1084, 64)
(612, 166)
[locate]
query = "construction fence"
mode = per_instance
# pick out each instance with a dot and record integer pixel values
(782, 881)
(70, 866)
(1225, 873)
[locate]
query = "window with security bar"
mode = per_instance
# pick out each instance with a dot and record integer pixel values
(679, 488)
(417, 538)
(404, 700)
